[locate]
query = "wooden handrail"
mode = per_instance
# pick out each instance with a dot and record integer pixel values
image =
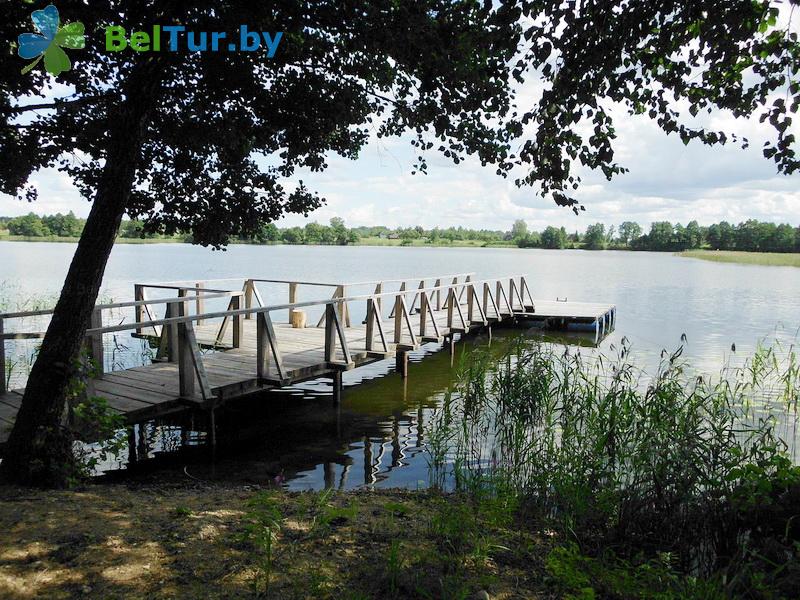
(207, 295)
(179, 343)
(275, 307)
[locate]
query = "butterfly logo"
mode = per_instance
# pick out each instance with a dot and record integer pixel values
(50, 40)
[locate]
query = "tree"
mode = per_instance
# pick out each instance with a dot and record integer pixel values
(660, 236)
(519, 230)
(142, 120)
(784, 239)
(339, 233)
(727, 236)
(313, 233)
(748, 235)
(666, 60)
(714, 237)
(268, 233)
(553, 237)
(30, 226)
(595, 237)
(628, 231)
(294, 235)
(694, 235)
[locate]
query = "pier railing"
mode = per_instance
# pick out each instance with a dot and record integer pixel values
(253, 297)
(94, 344)
(467, 304)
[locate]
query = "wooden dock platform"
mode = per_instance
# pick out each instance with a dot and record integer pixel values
(205, 358)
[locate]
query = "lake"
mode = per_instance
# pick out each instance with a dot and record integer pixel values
(377, 435)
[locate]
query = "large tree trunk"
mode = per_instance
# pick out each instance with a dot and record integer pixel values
(39, 450)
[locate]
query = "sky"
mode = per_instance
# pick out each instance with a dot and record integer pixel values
(667, 181)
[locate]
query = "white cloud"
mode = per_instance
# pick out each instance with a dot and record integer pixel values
(667, 181)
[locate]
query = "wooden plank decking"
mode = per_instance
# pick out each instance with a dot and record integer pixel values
(227, 366)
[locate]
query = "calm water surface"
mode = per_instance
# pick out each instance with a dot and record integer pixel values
(377, 436)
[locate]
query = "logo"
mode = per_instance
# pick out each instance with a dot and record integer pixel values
(177, 38)
(50, 40)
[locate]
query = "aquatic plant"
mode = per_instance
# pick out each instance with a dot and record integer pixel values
(597, 452)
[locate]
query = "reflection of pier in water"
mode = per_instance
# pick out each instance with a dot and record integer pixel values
(206, 357)
(377, 432)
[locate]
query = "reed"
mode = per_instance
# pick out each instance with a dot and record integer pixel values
(593, 449)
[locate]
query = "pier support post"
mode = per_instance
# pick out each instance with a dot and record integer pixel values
(338, 388)
(213, 419)
(2, 360)
(450, 341)
(131, 434)
(401, 363)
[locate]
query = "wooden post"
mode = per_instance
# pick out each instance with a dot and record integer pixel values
(401, 363)
(249, 288)
(138, 296)
(378, 299)
(174, 309)
(423, 312)
(345, 312)
(131, 434)
(370, 323)
(467, 281)
(96, 341)
(266, 344)
(330, 332)
(449, 301)
(398, 319)
(237, 322)
(437, 285)
(199, 302)
(470, 303)
(213, 417)
(292, 299)
(262, 343)
(340, 294)
(3, 386)
(401, 291)
(338, 388)
(185, 362)
(262, 346)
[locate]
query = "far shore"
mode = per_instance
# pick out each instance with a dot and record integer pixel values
(774, 259)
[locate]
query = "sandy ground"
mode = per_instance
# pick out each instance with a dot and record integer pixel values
(201, 541)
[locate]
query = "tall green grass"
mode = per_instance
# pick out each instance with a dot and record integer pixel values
(774, 259)
(675, 465)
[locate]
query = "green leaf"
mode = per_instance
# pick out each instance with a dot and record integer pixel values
(56, 60)
(71, 35)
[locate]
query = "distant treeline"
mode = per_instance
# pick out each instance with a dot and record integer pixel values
(32, 225)
(749, 236)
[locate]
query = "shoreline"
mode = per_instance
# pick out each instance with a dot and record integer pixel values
(777, 259)
(763, 259)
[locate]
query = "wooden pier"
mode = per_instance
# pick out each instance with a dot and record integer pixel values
(205, 357)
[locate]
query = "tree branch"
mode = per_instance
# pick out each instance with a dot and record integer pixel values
(15, 110)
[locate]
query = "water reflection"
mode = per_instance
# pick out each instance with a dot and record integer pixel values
(298, 438)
